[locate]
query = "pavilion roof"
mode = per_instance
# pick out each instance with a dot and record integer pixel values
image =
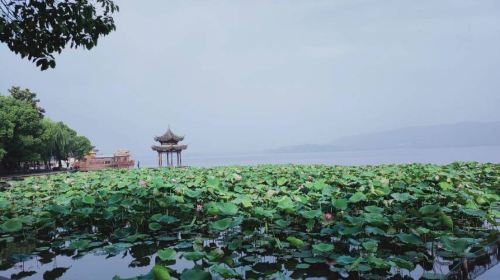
(169, 148)
(169, 137)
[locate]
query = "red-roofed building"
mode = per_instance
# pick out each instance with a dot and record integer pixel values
(92, 161)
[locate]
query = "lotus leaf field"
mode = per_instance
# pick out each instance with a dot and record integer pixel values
(262, 222)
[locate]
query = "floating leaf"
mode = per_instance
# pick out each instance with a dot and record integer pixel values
(311, 214)
(445, 186)
(160, 273)
(228, 208)
(195, 274)
(374, 209)
(401, 197)
(410, 238)
(80, 244)
(302, 266)
(455, 245)
(370, 246)
(221, 225)
(323, 247)
(401, 263)
(12, 225)
(357, 197)
(446, 220)
(281, 181)
(285, 203)
(295, 241)
(154, 226)
(429, 209)
(340, 204)
(225, 272)
(88, 199)
(193, 256)
(213, 182)
(167, 254)
(375, 231)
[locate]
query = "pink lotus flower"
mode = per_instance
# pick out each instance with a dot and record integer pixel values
(142, 183)
(237, 177)
(301, 187)
(328, 216)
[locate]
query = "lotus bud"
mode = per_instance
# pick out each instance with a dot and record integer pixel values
(328, 216)
(142, 183)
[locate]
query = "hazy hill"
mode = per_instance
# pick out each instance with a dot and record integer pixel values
(435, 136)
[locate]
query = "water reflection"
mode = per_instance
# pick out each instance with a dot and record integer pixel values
(26, 260)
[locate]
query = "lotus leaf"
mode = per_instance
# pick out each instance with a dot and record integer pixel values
(167, 254)
(311, 214)
(225, 272)
(222, 225)
(429, 209)
(340, 204)
(195, 274)
(401, 197)
(154, 226)
(323, 247)
(302, 266)
(160, 273)
(12, 225)
(370, 246)
(228, 208)
(88, 199)
(410, 238)
(193, 256)
(455, 245)
(282, 181)
(295, 241)
(357, 197)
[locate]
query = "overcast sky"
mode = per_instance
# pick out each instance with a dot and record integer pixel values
(241, 76)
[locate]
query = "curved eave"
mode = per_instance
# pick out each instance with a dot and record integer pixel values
(166, 139)
(169, 148)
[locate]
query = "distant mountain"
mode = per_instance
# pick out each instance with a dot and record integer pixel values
(434, 136)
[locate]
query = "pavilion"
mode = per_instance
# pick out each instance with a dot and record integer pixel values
(169, 145)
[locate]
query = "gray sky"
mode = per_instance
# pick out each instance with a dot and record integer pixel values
(250, 75)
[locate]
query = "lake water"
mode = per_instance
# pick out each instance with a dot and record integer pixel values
(388, 156)
(99, 266)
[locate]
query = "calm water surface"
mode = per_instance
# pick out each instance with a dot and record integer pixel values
(390, 156)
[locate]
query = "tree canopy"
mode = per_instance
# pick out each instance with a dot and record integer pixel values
(27, 96)
(27, 135)
(37, 29)
(20, 129)
(62, 142)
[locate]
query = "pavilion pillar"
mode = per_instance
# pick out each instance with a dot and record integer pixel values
(171, 158)
(180, 158)
(159, 159)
